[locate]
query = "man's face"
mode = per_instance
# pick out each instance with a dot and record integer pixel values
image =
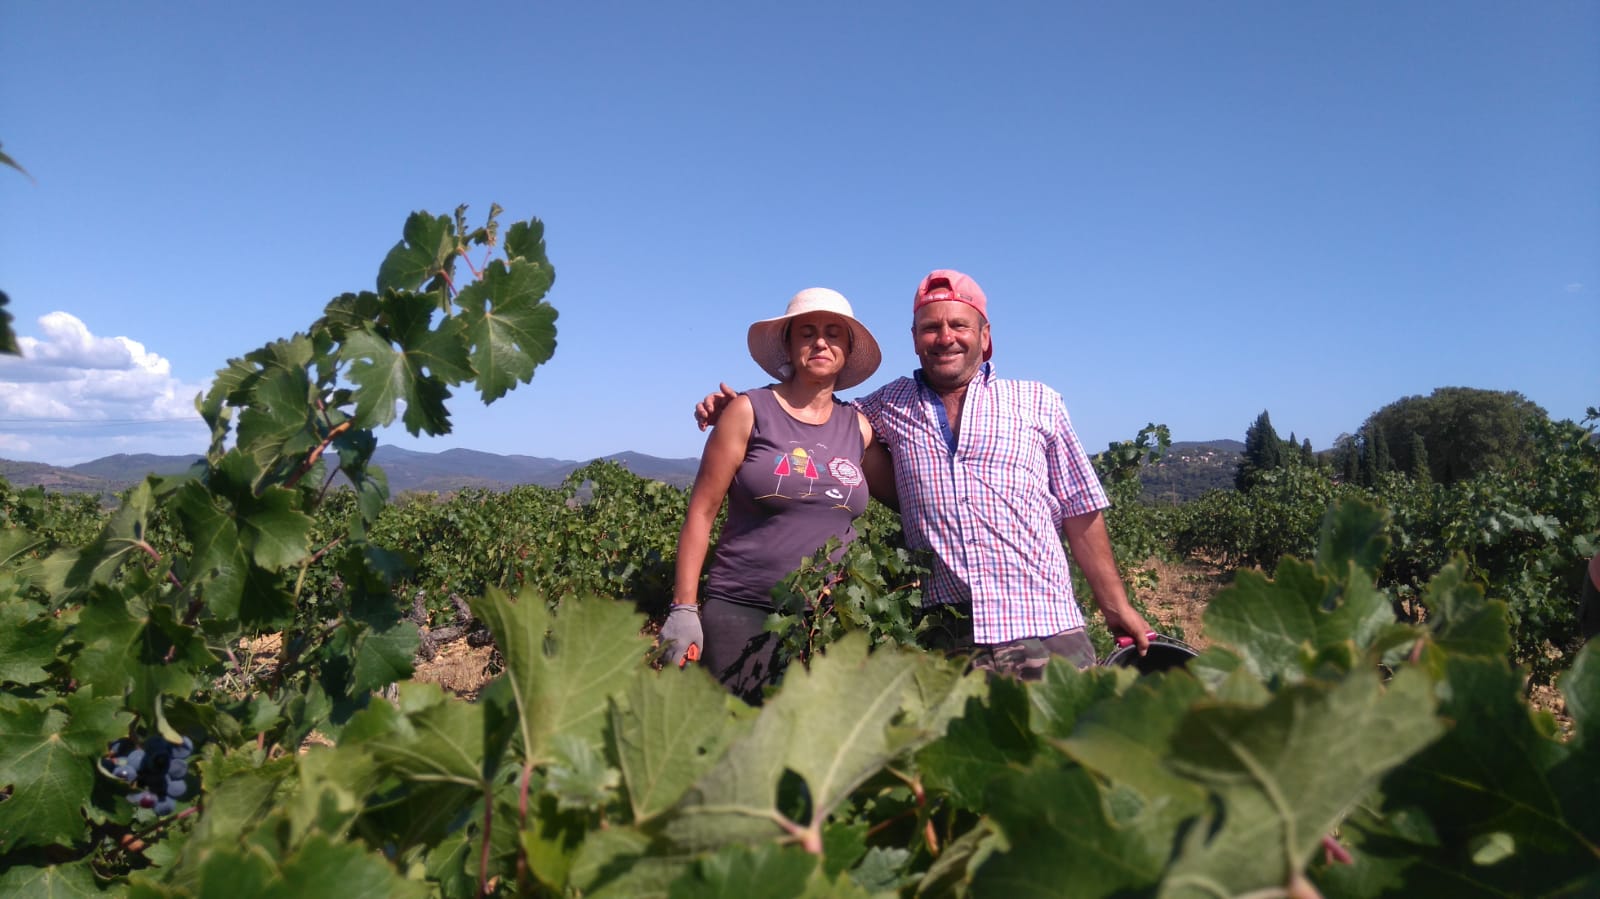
(950, 338)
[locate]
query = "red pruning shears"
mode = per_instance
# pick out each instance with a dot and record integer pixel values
(692, 654)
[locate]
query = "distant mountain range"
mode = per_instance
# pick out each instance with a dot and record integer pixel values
(408, 470)
(1189, 469)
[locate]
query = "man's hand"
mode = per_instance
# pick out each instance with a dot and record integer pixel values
(1128, 624)
(710, 409)
(681, 635)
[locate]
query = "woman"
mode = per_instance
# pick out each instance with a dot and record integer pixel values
(788, 458)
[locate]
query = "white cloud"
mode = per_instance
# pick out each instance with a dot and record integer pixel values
(73, 394)
(1575, 287)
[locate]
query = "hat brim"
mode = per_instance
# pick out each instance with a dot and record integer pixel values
(863, 358)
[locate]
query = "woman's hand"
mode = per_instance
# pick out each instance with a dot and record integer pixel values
(708, 410)
(681, 635)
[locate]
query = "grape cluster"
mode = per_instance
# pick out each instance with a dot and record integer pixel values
(158, 768)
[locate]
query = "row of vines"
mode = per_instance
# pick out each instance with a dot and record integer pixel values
(1357, 728)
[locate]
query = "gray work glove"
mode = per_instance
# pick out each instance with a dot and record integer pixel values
(681, 636)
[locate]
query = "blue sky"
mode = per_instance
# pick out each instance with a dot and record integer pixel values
(1182, 213)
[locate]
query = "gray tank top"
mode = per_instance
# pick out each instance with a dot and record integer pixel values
(799, 484)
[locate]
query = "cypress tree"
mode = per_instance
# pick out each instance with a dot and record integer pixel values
(1369, 459)
(1263, 451)
(1380, 447)
(1420, 472)
(1306, 455)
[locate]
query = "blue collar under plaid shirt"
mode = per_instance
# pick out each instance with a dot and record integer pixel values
(991, 507)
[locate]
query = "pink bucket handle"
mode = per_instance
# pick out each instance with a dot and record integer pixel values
(1128, 641)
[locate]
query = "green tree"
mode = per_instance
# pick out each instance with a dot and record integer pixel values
(1307, 457)
(1467, 431)
(1369, 458)
(1382, 460)
(1347, 457)
(1263, 452)
(1419, 460)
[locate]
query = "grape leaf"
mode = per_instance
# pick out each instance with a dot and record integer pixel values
(428, 738)
(552, 837)
(122, 536)
(882, 870)
(1280, 627)
(562, 681)
(127, 648)
(511, 329)
(1460, 619)
(217, 565)
(48, 766)
(1288, 772)
(1498, 778)
(834, 726)
(16, 544)
(738, 872)
(902, 700)
(416, 373)
(525, 240)
(424, 251)
(669, 729)
(1064, 693)
(320, 868)
(383, 655)
(579, 777)
(618, 863)
(982, 744)
(1061, 840)
(277, 427)
(240, 791)
(66, 881)
(1128, 741)
(29, 637)
(273, 530)
(1353, 532)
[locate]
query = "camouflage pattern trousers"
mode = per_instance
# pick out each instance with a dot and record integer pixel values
(948, 629)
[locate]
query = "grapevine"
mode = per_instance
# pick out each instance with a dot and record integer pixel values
(1328, 741)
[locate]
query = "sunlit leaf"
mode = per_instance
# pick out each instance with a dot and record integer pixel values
(1288, 772)
(834, 725)
(671, 728)
(562, 670)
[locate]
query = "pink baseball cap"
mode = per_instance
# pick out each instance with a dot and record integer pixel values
(949, 284)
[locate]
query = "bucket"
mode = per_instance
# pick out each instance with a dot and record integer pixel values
(1165, 653)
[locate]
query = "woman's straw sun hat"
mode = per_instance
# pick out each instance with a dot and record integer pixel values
(768, 349)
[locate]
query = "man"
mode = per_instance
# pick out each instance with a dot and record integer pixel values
(989, 475)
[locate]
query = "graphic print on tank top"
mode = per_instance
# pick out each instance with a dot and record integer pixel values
(847, 473)
(797, 462)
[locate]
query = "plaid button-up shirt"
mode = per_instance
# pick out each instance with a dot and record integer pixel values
(990, 504)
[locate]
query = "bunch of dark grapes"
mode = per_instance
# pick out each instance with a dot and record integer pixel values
(159, 770)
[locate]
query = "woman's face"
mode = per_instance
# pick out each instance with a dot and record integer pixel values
(819, 345)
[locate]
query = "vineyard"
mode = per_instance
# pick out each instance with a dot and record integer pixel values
(207, 690)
